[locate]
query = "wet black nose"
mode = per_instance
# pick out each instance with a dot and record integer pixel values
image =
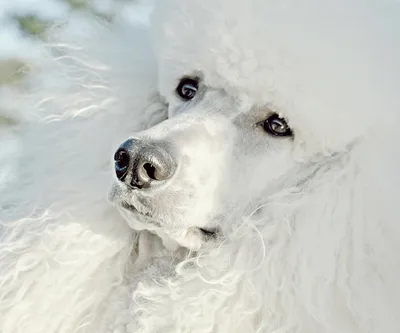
(140, 163)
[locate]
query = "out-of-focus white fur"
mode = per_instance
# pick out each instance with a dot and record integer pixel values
(323, 254)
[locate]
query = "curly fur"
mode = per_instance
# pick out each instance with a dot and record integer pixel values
(319, 254)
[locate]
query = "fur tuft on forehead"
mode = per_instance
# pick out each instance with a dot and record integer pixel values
(315, 63)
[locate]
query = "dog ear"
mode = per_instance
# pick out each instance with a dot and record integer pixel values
(344, 243)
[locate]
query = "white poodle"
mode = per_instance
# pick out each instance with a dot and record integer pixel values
(231, 167)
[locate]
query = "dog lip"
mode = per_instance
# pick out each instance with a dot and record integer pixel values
(128, 206)
(209, 233)
(132, 208)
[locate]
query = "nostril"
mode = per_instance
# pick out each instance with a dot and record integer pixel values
(121, 158)
(150, 170)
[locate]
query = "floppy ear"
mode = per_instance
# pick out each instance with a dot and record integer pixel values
(345, 243)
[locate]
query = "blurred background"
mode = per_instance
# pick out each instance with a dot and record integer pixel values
(24, 28)
(23, 25)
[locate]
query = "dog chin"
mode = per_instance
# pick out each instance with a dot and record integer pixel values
(192, 238)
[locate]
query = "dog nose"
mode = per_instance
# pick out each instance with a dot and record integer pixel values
(140, 163)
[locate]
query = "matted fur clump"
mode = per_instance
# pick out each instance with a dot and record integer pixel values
(280, 211)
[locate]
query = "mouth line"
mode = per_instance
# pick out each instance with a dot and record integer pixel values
(132, 208)
(207, 233)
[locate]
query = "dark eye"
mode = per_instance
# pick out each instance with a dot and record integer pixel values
(187, 88)
(276, 126)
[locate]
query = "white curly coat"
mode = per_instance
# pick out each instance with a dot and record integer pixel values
(323, 255)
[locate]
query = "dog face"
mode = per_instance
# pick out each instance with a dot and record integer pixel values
(251, 107)
(187, 177)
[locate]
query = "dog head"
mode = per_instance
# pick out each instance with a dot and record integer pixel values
(257, 101)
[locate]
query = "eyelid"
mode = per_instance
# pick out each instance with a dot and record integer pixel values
(267, 119)
(189, 77)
